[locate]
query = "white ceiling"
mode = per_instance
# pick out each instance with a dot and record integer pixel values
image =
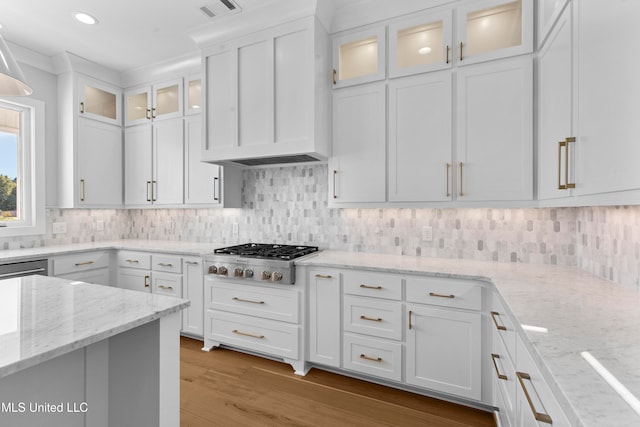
(130, 33)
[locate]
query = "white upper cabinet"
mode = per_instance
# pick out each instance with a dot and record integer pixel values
(359, 57)
(193, 94)
(99, 101)
(420, 143)
(494, 145)
(492, 29)
(420, 44)
(156, 102)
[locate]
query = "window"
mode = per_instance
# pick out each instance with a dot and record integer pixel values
(21, 167)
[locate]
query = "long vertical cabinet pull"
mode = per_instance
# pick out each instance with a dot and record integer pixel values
(539, 416)
(410, 325)
(448, 49)
(82, 108)
(335, 76)
(154, 191)
(446, 172)
(148, 185)
(461, 193)
(565, 144)
(566, 164)
(560, 185)
(83, 193)
(335, 174)
(216, 186)
(461, 45)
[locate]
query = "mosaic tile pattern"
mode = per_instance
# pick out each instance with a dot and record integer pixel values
(289, 205)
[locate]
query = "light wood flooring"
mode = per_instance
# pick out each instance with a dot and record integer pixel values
(228, 388)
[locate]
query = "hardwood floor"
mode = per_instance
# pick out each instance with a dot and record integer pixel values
(228, 388)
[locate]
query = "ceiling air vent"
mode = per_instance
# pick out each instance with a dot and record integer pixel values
(219, 8)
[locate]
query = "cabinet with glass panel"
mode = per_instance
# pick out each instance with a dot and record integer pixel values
(144, 104)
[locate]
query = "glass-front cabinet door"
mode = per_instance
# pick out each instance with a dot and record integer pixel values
(359, 58)
(167, 100)
(99, 101)
(193, 94)
(137, 106)
(493, 29)
(420, 44)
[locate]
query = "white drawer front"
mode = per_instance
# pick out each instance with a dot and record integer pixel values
(265, 336)
(504, 326)
(167, 263)
(260, 301)
(370, 284)
(505, 375)
(80, 262)
(443, 292)
(167, 284)
(131, 259)
(373, 357)
(374, 317)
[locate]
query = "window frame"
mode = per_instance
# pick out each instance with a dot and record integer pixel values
(32, 168)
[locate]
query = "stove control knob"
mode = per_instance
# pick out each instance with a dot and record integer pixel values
(276, 276)
(222, 271)
(266, 275)
(213, 269)
(238, 272)
(248, 273)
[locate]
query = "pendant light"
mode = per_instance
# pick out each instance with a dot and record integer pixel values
(12, 81)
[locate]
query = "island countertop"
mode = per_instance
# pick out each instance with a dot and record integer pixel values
(45, 317)
(574, 312)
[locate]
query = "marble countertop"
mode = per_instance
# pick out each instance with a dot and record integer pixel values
(45, 317)
(160, 246)
(575, 311)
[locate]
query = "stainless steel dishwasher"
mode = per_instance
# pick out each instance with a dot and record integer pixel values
(26, 268)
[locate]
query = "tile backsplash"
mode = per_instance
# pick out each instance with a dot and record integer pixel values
(289, 205)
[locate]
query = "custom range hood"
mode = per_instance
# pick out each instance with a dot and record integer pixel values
(266, 83)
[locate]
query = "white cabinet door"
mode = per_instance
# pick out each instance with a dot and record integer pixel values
(134, 279)
(138, 141)
(202, 180)
(609, 96)
(169, 284)
(168, 100)
(168, 174)
(99, 164)
(137, 105)
(325, 334)
(221, 98)
(255, 95)
(193, 290)
(192, 94)
(495, 131)
(359, 57)
(99, 101)
(357, 168)
(420, 140)
(555, 112)
(444, 350)
(99, 276)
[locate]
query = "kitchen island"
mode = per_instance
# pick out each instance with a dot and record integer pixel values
(78, 354)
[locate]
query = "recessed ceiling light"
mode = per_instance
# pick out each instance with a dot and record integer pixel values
(85, 18)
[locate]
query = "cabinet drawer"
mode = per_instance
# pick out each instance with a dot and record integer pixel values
(452, 293)
(373, 357)
(503, 325)
(168, 263)
(80, 262)
(167, 284)
(373, 317)
(260, 301)
(134, 260)
(370, 284)
(266, 336)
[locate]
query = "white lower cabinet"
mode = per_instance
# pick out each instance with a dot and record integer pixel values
(90, 267)
(372, 356)
(193, 290)
(325, 328)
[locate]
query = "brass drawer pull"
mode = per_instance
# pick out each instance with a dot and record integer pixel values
(373, 319)
(246, 334)
(146, 281)
(461, 45)
(322, 276)
(80, 264)
(162, 264)
(169, 288)
(495, 365)
(377, 288)
(545, 418)
(433, 294)
(373, 359)
(410, 325)
(498, 327)
(247, 300)
(133, 261)
(448, 49)
(191, 262)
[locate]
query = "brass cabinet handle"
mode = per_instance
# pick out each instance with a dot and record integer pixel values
(376, 319)
(461, 192)
(154, 191)
(192, 262)
(566, 164)
(148, 184)
(560, 145)
(82, 108)
(322, 276)
(335, 173)
(83, 195)
(495, 365)
(377, 288)
(461, 44)
(433, 294)
(499, 327)
(246, 334)
(373, 359)
(133, 261)
(539, 416)
(216, 186)
(410, 325)
(247, 300)
(148, 115)
(79, 264)
(446, 172)
(164, 264)
(146, 281)
(170, 288)
(153, 113)
(447, 50)
(335, 76)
